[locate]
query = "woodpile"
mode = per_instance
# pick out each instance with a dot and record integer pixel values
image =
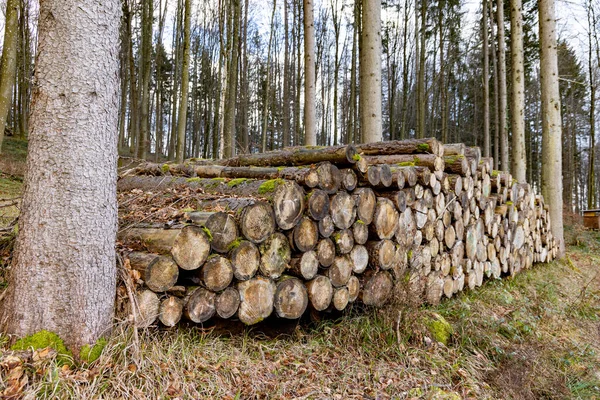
(321, 228)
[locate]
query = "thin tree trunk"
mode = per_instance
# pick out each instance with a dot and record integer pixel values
(310, 112)
(421, 101)
(503, 134)
(591, 181)
(352, 101)
(519, 151)
(405, 64)
(8, 65)
(66, 242)
(370, 72)
(185, 77)
(551, 121)
(229, 122)
(145, 69)
(486, 81)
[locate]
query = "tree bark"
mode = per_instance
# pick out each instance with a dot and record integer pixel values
(66, 241)
(310, 107)
(8, 65)
(518, 151)
(370, 72)
(185, 78)
(503, 134)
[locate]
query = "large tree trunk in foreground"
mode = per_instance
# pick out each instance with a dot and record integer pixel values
(370, 72)
(8, 67)
(63, 274)
(551, 123)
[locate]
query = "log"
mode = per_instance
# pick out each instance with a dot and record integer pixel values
(245, 260)
(320, 292)
(330, 177)
(382, 253)
(170, 311)
(306, 235)
(343, 210)
(344, 241)
(372, 177)
(349, 179)
(431, 161)
(353, 286)
(275, 255)
(223, 231)
(385, 175)
(161, 274)
(385, 221)
(360, 232)
(227, 303)
(410, 175)
(288, 204)
(340, 271)
(456, 165)
(147, 308)
(398, 177)
(306, 266)
(257, 297)
(454, 149)
(325, 252)
(366, 202)
(326, 226)
(377, 288)
(360, 259)
(257, 222)
(190, 248)
(341, 297)
(200, 305)
(318, 204)
(409, 146)
(398, 199)
(291, 298)
(217, 273)
(344, 154)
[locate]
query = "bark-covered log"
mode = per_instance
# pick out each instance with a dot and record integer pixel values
(454, 149)
(431, 161)
(457, 165)
(245, 260)
(257, 296)
(200, 305)
(291, 298)
(306, 266)
(227, 303)
(343, 210)
(257, 222)
(320, 292)
(318, 204)
(275, 255)
(146, 308)
(344, 154)
(409, 146)
(377, 288)
(170, 311)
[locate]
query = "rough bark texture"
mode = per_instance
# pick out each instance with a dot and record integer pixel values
(370, 72)
(66, 242)
(518, 151)
(185, 77)
(551, 121)
(8, 66)
(310, 92)
(502, 132)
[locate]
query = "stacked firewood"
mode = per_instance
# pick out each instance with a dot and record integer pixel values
(323, 227)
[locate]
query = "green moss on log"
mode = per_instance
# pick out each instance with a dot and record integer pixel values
(269, 186)
(406, 164)
(165, 168)
(235, 244)
(236, 182)
(208, 234)
(423, 147)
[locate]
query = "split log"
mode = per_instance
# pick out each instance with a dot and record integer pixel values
(257, 297)
(227, 303)
(320, 292)
(200, 305)
(291, 298)
(170, 311)
(345, 154)
(275, 255)
(245, 260)
(409, 146)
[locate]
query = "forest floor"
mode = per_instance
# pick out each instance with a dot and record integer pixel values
(533, 336)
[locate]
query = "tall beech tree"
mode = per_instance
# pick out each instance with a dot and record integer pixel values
(8, 65)
(370, 72)
(63, 274)
(517, 121)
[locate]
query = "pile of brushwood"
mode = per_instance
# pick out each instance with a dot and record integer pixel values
(319, 228)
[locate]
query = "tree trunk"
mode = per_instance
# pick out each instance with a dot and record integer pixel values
(370, 72)
(229, 122)
(8, 65)
(486, 81)
(503, 134)
(519, 151)
(185, 77)
(310, 107)
(551, 122)
(66, 241)
(144, 68)
(421, 101)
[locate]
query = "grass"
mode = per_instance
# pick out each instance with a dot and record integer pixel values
(534, 336)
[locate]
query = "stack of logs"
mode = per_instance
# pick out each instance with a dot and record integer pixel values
(323, 227)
